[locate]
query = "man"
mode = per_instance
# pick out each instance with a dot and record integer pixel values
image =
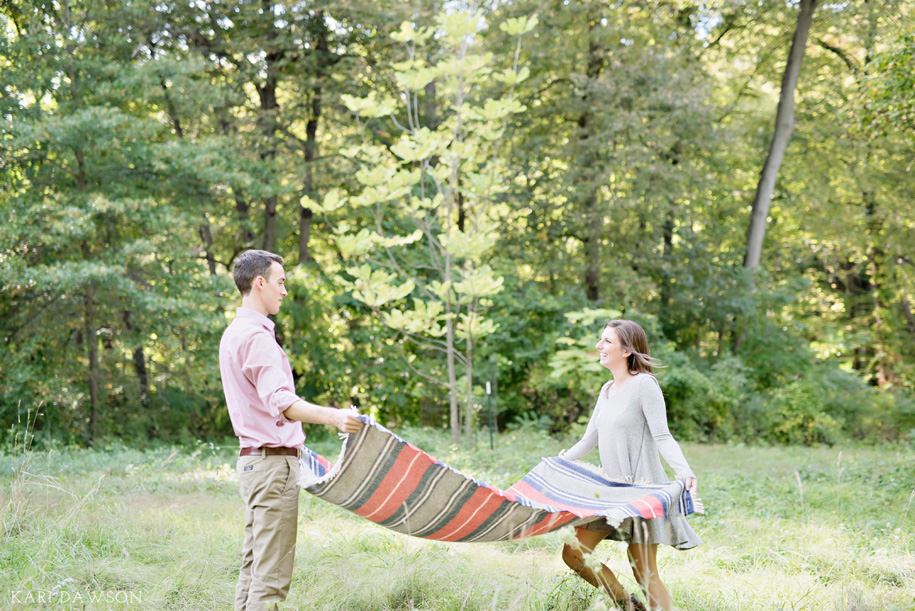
(267, 417)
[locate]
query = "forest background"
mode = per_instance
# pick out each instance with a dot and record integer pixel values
(461, 200)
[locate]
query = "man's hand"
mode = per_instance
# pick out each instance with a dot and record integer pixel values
(348, 421)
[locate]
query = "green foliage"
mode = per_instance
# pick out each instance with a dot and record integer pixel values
(703, 404)
(432, 199)
(890, 102)
(800, 416)
(432, 181)
(321, 325)
(821, 406)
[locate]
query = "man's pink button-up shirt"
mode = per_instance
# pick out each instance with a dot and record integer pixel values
(257, 380)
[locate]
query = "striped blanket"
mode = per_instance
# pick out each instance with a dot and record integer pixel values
(385, 479)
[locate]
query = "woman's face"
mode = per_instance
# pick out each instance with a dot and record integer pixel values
(609, 350)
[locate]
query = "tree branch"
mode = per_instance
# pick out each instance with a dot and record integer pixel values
(847, 59)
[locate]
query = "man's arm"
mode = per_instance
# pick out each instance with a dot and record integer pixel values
(344, 419)
(261, 365)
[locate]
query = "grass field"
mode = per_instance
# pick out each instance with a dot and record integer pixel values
(785, 528)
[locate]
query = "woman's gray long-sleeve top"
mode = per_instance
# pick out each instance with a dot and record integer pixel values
(629, 426)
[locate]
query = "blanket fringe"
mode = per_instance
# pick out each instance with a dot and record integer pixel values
(307, 478)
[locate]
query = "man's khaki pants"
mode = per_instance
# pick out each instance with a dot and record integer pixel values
(271, 495)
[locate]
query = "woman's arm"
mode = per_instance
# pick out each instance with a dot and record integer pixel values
(652, 401)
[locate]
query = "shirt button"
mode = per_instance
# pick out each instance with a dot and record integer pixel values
(280, 423)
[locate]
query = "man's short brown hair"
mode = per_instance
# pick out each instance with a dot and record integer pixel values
(251, 264)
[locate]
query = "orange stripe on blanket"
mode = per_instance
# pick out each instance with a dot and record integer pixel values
(474, 512)
(395, 488)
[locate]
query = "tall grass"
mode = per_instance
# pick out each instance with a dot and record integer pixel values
(161, 529)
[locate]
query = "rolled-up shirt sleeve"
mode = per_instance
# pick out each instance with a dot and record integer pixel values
(264, 364)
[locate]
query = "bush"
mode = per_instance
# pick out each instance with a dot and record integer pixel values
(701, 404)
(903, 419)
(799, 415)
(822, 405)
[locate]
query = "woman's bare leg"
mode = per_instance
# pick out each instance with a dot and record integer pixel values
(644, 560)
(598, 576)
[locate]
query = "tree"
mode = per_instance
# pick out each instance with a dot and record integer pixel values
(84, 279)
(784, 124)
(433, 196)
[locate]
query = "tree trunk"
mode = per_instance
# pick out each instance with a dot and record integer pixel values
(468, 409)
(207, 236)
(858, 305)
(311, 150)
(245, 235)
(139, 368)
(668, 228)
(784, 125)
(139, 363)
(590, 211)
(431, 114)
(666, 288)
(94, 367)
(324, 61)
(270, 222)
(879, 282)
(877, 255)
(461, 210)
(242, 209)
(452, 199)
(268, 120)
(454, 414)
(454, 419)
(170, 107)
(906, 308)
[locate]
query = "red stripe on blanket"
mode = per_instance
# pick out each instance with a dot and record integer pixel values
(474, 512)
(397, 486)
(649, 506)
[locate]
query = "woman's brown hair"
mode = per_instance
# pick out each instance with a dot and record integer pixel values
(633, 339)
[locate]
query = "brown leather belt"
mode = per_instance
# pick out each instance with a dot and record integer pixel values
(269, 452)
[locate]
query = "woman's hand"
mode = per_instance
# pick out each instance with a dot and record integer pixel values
(692, 484)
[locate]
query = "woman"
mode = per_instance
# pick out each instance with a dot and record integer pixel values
(629, 426)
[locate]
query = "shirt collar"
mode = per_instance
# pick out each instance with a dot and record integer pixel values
(254, 316)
